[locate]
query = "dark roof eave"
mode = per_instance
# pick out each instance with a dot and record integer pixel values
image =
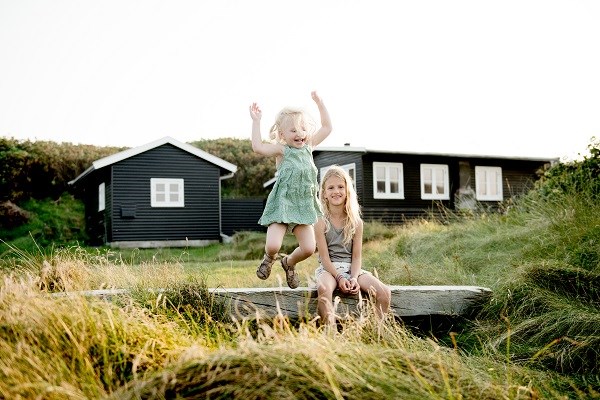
(347, 149)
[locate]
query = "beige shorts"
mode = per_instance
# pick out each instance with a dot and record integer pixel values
(341, 268)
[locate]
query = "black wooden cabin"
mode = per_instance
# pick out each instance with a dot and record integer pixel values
(395, 186)
(164, 193)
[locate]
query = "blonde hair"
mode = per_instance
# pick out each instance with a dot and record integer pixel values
(351, 208)
(295, 116)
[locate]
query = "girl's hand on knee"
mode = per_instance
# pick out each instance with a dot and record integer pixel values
(353, 286)
(342, 284)
(348, 286)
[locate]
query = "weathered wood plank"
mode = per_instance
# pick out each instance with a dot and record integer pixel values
(407, 301)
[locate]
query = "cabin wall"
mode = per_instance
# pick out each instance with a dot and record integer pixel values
(133, 218)
(242, 215)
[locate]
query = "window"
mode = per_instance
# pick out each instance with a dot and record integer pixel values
(434, 182)
(101, 197)
(166, 192)
(488, 183)
(388, 181)
(349, 168)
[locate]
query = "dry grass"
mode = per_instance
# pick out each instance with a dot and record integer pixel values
(153, 347)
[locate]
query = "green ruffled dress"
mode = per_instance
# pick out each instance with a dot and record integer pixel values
(293, 199)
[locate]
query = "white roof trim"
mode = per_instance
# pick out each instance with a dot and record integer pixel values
(115, 158)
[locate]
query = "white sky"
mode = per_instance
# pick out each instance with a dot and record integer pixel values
(506, 77)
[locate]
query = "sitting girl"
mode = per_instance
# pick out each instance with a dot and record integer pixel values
(339, 241)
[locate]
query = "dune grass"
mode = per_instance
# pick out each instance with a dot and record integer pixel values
(158, 347)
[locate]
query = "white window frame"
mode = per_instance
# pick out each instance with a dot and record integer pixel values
(349, 168)
(101, 196)
(169, 184)
(443, 168)
(486, 180)
(386, 179)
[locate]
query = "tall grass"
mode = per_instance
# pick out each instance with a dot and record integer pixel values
(80, 348)
(553, 298)
(74, 347)
(180, 343)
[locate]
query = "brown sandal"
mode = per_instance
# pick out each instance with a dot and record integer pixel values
(290, 274)
(264, 269)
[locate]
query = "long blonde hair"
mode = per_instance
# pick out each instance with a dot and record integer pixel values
(351, 208)
(295, 116)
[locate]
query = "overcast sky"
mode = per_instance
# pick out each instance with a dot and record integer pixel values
(514, 78)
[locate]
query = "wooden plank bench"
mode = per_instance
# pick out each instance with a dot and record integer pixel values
(407, 301)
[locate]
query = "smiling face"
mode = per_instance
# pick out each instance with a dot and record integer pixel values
(335, 191)
(293, 132)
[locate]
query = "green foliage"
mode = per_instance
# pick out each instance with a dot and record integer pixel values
(42, 169)
(251, 246)
(541, 258)
(253, 169)
(574, 177)
(554, 317)
(59, 221)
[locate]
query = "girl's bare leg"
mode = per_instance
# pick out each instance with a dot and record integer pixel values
(275, 234)
(305, 234)
(383, 295)
(325, 287)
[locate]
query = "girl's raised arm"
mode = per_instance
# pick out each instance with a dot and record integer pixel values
(258, 146)
(326, 127)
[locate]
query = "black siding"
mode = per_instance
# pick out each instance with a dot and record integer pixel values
(518, 177)
(242, 215)
(198, 220)
(96, 222)
(106, 222)
(412, 206)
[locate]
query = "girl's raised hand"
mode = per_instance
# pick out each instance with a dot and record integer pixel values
(255, 112)
(315, 97)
